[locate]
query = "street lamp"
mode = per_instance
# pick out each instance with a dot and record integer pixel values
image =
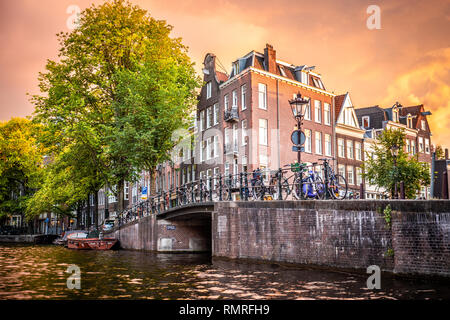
(298, 107)
(394, 151)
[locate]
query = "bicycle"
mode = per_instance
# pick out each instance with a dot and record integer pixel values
(337, 185)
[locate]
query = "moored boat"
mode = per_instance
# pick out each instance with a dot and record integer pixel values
(92, 243)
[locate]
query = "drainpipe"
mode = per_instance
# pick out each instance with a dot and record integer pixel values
(278, 127)
(433, 159)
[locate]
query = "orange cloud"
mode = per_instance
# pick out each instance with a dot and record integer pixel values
(428, 83)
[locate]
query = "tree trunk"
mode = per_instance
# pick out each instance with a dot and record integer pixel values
(88, 213)
(120, 196)
(96, 209)
(152, 190)
(79, 215)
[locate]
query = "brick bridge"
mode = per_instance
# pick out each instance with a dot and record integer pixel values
(401, 236)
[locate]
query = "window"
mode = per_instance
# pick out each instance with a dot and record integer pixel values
(262, 96)
(318, 111)
(326, 113)
(358, 151)
(227, 136)
(208, 178)
(208, 90)
(243, 97)
(395, 115)
(235, 137)
(341, 172)
(366, 122)
(244, 163)
(308, 109)
(225, 102)
(423, 125)
(203, 151)
(216, 147)
(216, 114)
(235, 99)
(358, 176)
(421, 144)
(413, 147)
(193, 172)
(208, 117)
(427, 146)
(350, 173)
(244, 132)
(408, 146)
(318, 142)
(308, 140)
(126, 190)
(227, 169)
(202, 120)
(350, 149)
(410, 123)
(328, 145)
(341, 148)
(209, 151)
(263, 131)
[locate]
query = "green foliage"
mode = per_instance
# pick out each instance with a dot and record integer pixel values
(439, 153)
(389, 252)
(21, 165)
(379, 168)
(387, 212)
(120, 89)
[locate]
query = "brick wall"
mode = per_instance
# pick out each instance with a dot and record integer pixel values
(344, 234)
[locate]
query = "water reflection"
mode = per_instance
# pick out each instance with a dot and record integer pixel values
(38, 272)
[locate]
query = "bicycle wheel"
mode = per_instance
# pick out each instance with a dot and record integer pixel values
(257, 190)
(285, 190)
(296, 189)
(338, 187)
(319, 187)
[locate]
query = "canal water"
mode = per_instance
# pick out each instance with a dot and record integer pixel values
(39, 272)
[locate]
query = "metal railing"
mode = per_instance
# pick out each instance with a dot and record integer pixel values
(291, 182)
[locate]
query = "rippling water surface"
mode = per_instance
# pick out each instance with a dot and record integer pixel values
(39, 272)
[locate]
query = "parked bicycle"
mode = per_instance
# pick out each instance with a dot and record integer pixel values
(337, 185)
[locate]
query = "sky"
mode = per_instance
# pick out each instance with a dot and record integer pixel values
(407, 59)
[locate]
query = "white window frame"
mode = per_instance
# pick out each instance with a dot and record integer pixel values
(215, 114)
(352, 172)
(308, 141)
(358, 151)
(208, 90)
(262, 96)
(307, 115)
(244, 132)
(318, 140)
(243, 97)
(328, 145)
(263, 130)
(234, 99)
(368, 121)
(350, 149)
(317, 111)
(326, 113)
(208, 117)
(341, 148)
(202, 120)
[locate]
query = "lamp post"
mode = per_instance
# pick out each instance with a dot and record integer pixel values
(298, 107)
(394, 151)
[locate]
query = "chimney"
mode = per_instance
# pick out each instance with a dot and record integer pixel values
(446, 154)
(270, 57)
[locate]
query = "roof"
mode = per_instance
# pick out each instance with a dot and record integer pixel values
(338, 102)
(221, 77)
(376, 116)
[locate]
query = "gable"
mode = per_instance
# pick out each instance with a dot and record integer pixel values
(347, 115)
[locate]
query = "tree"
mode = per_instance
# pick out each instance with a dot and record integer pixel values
(439, 153)
(21, 165)
(379, 168)
(120, 89)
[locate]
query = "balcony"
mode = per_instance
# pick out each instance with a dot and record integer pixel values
(231, 115)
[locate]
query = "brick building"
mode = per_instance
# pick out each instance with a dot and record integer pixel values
(413, 120)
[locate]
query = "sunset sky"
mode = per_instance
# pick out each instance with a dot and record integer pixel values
(407, 60)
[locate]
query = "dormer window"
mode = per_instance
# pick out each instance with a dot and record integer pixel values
(395, 115)
(409, 121)
(235, 68)
(366, 122)
(423, 125)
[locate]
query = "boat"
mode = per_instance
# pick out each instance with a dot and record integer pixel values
(84, 241)
(62, 240)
